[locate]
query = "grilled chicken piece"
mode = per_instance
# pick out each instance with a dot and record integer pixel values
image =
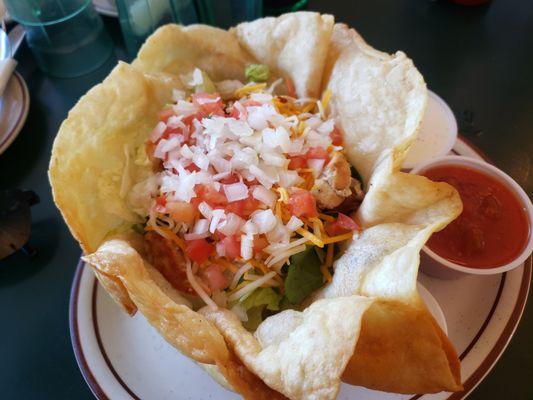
(333, 186)
(169, 260)
(352, 202)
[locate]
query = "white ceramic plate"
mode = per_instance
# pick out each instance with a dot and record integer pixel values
(14, 105)
(124, 358)
(106, 7)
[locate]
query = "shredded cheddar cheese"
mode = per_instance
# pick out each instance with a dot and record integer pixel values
(249, 89)
(339, 238)
(309, 236)
(168, 234)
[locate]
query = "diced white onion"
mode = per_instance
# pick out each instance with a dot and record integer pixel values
(220, 176)
(294, 223)
(316, 164)
(195, 236)
(265, 220)
(166, 145)
(274, 159)
(220, 248)
(186, 152)
(247, 246)
(289, 178)
(261, 176)
(158, 131)
(205, 209)
(236, 191)
(216, 217)
(231, 225)
(250, 228)
(264, 195)
(201, 226)
(279, 234)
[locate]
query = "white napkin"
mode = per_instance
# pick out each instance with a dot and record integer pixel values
(6, 70)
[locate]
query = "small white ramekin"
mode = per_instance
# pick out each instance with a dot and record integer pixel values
(435, 265)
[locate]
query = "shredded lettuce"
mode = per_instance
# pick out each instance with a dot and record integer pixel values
(257, 72)
(262, 297)
(303, 276)
(258, 301)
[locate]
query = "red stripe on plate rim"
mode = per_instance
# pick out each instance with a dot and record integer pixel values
(6, 141)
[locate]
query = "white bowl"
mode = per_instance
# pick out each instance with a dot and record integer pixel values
(432, 263)
(437, 134)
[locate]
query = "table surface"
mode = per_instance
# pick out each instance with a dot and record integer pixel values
(478, 59)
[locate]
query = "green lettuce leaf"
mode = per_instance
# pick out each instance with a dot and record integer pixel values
(267, 297)
(304, 275)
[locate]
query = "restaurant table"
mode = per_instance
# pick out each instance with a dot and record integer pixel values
(479, 59)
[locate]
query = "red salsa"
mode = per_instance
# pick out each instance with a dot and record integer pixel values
(493, 228)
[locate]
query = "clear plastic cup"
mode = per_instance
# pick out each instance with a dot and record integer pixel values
(67, 37)
(139, 18)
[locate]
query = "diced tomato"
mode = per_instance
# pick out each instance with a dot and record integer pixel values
(232, 178)
(189, 118)
(199, 250)
(302, 204)
(234, 113)
(170, 132)
(166, 114)
(238, 113)
(232, 247)
(243, 208)
(297, 162)
(336, 137)
(251, 103)
(192, 167)
(161, 201)
(260, 243)
(209, 103)
(210, 195)
(215, 278)
(347, 223)
(181, 211)
(343, 224)
(317, 153)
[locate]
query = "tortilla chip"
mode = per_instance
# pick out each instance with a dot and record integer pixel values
(285, 351)
(401, 348)
(371, 305)
(378, 99)
(178, 50)
(162, 305)
(293, 45)
(92, 148)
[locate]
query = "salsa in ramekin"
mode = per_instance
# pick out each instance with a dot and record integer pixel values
(493, 233)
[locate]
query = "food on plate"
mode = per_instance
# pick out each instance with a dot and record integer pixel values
(493, 228)
(241, 189)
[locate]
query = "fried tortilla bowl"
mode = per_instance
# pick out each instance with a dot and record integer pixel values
(368, 326)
